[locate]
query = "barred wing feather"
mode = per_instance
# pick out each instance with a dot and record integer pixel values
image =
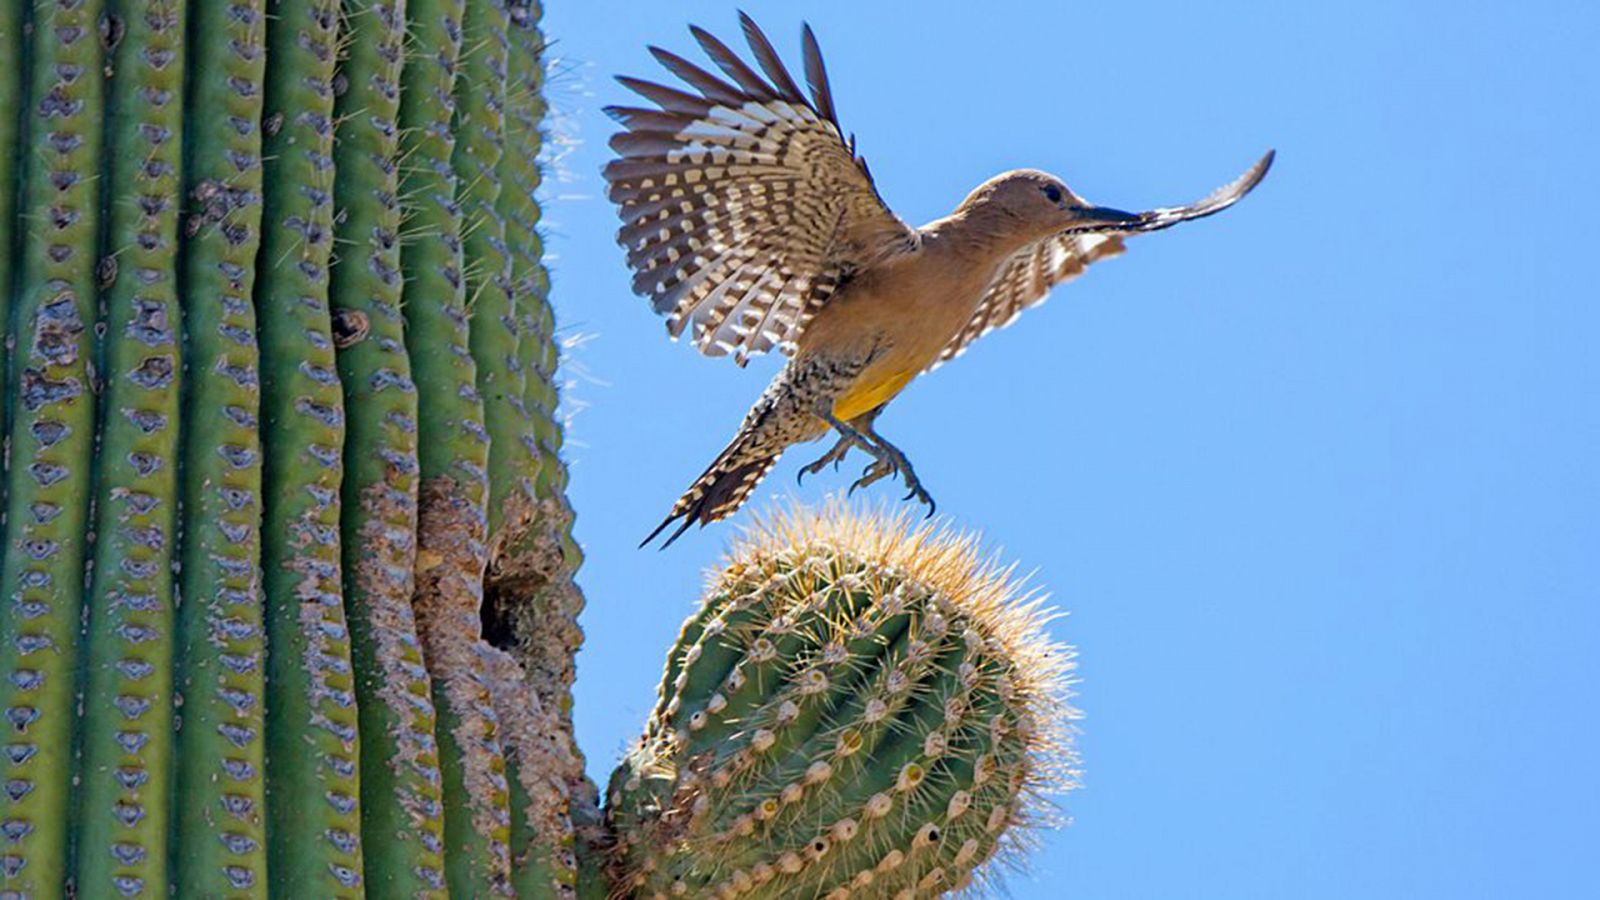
(743, 206)
(1025, 279)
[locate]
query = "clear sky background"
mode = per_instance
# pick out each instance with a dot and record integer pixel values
(1316, 478)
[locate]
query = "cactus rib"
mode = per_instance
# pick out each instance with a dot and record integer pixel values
(540, 763)
(52, 439)
(13, 91)
(402, 808)
(219, 828)
(453, 451)
(480, 131)
(127, 703)
(531, 604)
(313, 786)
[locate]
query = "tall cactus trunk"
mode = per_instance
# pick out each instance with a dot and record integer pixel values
(276, 312)
(287, 599)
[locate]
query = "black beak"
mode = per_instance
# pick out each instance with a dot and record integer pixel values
(1106, 215)
(1099, 219)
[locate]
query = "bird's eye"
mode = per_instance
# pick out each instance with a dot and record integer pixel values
(1053, 193)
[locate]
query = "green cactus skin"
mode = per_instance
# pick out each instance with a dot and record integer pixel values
(453, 455)
(530, 581)
(127, 701)
(859, 710)
(281, 232)
(520, 178)
(540, 763)
(313, 788)
(480, 134)
(401, 803)
(219, 830)
(13, 92)
(52, 442)
(532, 604)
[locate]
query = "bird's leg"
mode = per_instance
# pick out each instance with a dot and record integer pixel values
(860, 424)
(888, 459)
(835, 456)
(892, 461)
(849, 436)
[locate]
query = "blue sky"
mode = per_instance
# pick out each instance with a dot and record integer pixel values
(1315, 478)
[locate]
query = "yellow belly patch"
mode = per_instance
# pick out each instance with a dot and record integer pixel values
(868, 394)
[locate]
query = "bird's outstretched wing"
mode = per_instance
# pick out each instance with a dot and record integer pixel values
(743, 206)
(1026, 278)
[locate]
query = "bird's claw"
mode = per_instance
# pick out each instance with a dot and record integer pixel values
(886, 460)
(895, 463)
(922, 496)
(836, 456)
(812, 468)
(872, 473)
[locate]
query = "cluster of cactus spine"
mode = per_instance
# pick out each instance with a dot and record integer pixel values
(286, 592)
(858, 710)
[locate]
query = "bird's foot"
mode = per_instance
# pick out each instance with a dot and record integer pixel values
(880, 468)
(891, 461)
(835, 456)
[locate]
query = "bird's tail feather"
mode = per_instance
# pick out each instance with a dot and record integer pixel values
(720, 491)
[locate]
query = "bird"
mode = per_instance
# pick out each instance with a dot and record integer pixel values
(750, 222)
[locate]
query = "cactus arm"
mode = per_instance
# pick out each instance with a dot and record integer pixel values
(940, 836)
(127, 702)
(867, 713)
(689, 635)
(453, 455)
(219, 831)
(402, 821)
(594, 871)
(313, 788)
(52, 440)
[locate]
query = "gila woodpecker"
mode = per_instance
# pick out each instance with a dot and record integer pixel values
(750, 222)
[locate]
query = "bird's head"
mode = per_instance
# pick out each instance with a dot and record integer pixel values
(1034, 204)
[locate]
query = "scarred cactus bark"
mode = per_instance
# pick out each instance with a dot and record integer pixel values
(858, 710)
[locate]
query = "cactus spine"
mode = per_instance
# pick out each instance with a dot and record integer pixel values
(286, 595)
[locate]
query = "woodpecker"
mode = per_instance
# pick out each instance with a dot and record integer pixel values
(750, 222)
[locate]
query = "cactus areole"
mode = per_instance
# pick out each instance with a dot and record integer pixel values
(286, 589)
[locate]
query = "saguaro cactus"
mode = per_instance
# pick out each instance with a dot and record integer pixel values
(286, 593)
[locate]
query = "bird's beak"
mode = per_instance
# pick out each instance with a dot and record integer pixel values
(1100, 220)
(1105, 215)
